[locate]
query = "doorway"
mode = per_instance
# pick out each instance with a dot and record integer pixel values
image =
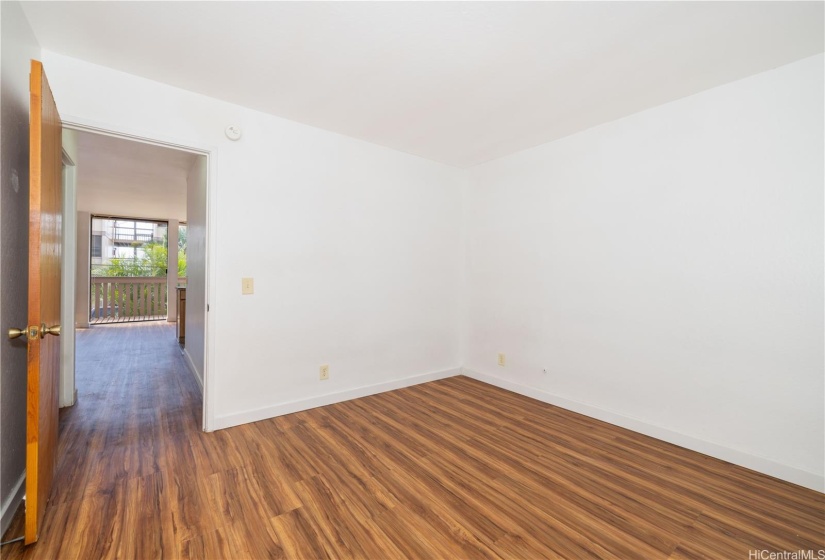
(131, 262)
(119, 181)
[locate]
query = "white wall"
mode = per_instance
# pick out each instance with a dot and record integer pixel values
(135, 199)
(352, 247)
(83, 302)
(196, 183)
(18, 47)
(667, 269)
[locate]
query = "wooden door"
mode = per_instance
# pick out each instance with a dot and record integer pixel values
(45, 206)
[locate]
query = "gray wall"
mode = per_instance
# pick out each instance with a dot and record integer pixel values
(18, 47)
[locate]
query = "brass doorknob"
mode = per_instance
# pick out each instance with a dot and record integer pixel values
(44, 330)
(14, 333)
(31, 332)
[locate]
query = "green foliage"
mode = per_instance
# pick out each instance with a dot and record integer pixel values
(182, 238)
(151, 263)
(155, 259)
(182, 231)
(181, 264)
(119, 267)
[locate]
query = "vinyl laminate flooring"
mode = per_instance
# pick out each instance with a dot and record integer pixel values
(449, 469)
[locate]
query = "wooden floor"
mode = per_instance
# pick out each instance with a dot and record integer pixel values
(449, 469)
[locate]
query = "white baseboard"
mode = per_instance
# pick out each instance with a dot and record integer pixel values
(12, 502)
(70, 403)
(191, 365)
(807, 479)
(236, 419)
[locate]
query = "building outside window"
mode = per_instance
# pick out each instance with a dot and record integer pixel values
(97, 246)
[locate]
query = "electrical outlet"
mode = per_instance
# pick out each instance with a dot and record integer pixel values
(501, 359)
(324, 372)
(247, 286)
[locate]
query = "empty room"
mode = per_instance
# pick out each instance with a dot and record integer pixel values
(428, 280)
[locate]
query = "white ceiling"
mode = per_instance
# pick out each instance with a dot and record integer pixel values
(456, 82)
(117, 177)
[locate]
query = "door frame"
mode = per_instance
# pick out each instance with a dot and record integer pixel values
(68, 282)
(197, 147)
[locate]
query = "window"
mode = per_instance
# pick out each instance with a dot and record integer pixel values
(97, 246)
(126, 247)
(182, 251)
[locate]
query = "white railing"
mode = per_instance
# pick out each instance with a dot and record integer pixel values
(120, 299)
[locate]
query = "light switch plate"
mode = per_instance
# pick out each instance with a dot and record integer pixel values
(247, 286)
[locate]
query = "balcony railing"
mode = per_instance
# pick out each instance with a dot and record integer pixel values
(117, 299)
(133, 235)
